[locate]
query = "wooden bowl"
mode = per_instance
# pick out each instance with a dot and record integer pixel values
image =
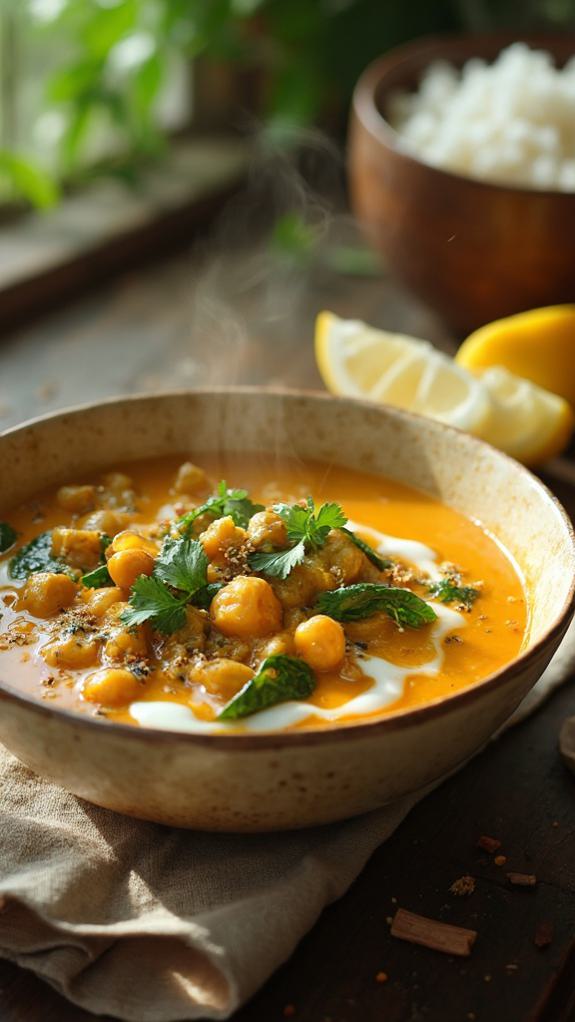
(474, 251)
(282, 780)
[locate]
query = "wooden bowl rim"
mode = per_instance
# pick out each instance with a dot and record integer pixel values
(402, 719)
(369, 115)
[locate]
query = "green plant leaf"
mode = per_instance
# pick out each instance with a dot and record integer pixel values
(8, 537)
(279, 679)
(183, 564)
(355, 602)
(152, 601)
(447, 591)
(29, 180)
(381, 563)
(278, 563)
(98, 578)
(37, 556)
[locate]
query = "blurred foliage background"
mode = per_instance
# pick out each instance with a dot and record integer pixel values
(92, 87)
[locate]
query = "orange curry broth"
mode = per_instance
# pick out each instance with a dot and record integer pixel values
(494, 628)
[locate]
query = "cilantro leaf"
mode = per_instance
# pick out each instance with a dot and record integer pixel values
(309, 525)
(235, 503)
(352, 603)
(152, 601)
(447, 591)
(278, 563)
(183, 564)
(8, 536)
(279, 679)
(382, 563)
(37, 556)
(204, 596)
(98, 578)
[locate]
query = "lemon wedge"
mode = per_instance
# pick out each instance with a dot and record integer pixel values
(527, 421)
(360, 361)
(538, 345)
(514, 414)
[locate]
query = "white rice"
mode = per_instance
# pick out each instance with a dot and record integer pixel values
(510, 122)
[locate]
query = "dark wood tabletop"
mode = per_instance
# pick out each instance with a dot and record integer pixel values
(174, 325)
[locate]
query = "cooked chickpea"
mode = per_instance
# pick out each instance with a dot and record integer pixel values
(320, 641)
(106, 521)
(117, 481)
(111, 686)
(340, 555)
(221, 677)
(82, 548)
(190, 478)
(98, 601)
(129, 539)
(221, 535)
(46, 592)
(247, 607)
(75, 652)
(266, 528)
(127, 565)
(78, 499)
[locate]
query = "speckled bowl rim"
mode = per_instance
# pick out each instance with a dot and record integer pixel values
(401, 719)
(369, 114)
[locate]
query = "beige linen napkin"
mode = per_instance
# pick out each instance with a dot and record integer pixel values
(152, 924)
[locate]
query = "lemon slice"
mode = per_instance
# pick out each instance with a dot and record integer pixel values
(512, 413)
(360, 361)
(527, 421)
(538, 345)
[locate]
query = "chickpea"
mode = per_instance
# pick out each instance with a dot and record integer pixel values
(280, 643)
(320, 641)
(116, 481)
(131, 540)
(266, 528)
(78, 499)
(124, 643)
(98, 601)
(220, 536)
(127, 565)
(46, 592)
(246, 607)
(221, 677)
(109, 522)
(75, 652)
(190, 478)
(303, 584)
(111, 686)
(340, 555)
(79, 547)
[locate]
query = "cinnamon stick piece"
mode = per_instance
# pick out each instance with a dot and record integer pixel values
(522, 879)
(431, 933)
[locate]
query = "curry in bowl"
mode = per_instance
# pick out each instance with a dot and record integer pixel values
(291, 596)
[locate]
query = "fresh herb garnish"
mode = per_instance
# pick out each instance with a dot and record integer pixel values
(447, 591)
(152, 601)
(182, 565)
(203, 597)
(235, 503)
(279, 679)
(381, 563)
(37, 556)
(8, 537)
(308, 525)
(352, 603)
(307, 528)
(98, 578)
(278, 563)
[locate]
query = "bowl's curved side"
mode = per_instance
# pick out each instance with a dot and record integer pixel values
(299, 778)
(473, 250)
(260, 786)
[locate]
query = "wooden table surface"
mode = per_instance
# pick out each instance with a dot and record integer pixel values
(176, 325)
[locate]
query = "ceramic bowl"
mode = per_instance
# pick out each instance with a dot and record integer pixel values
(472, 250)
(273, 780)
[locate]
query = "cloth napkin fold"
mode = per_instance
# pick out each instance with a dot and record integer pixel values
(152, 924)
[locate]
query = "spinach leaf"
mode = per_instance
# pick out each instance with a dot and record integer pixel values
(352, 603)
(447, 591)
(8, 537)
(37, 556)
(98, 578)
(381, 563)
(279, 679)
